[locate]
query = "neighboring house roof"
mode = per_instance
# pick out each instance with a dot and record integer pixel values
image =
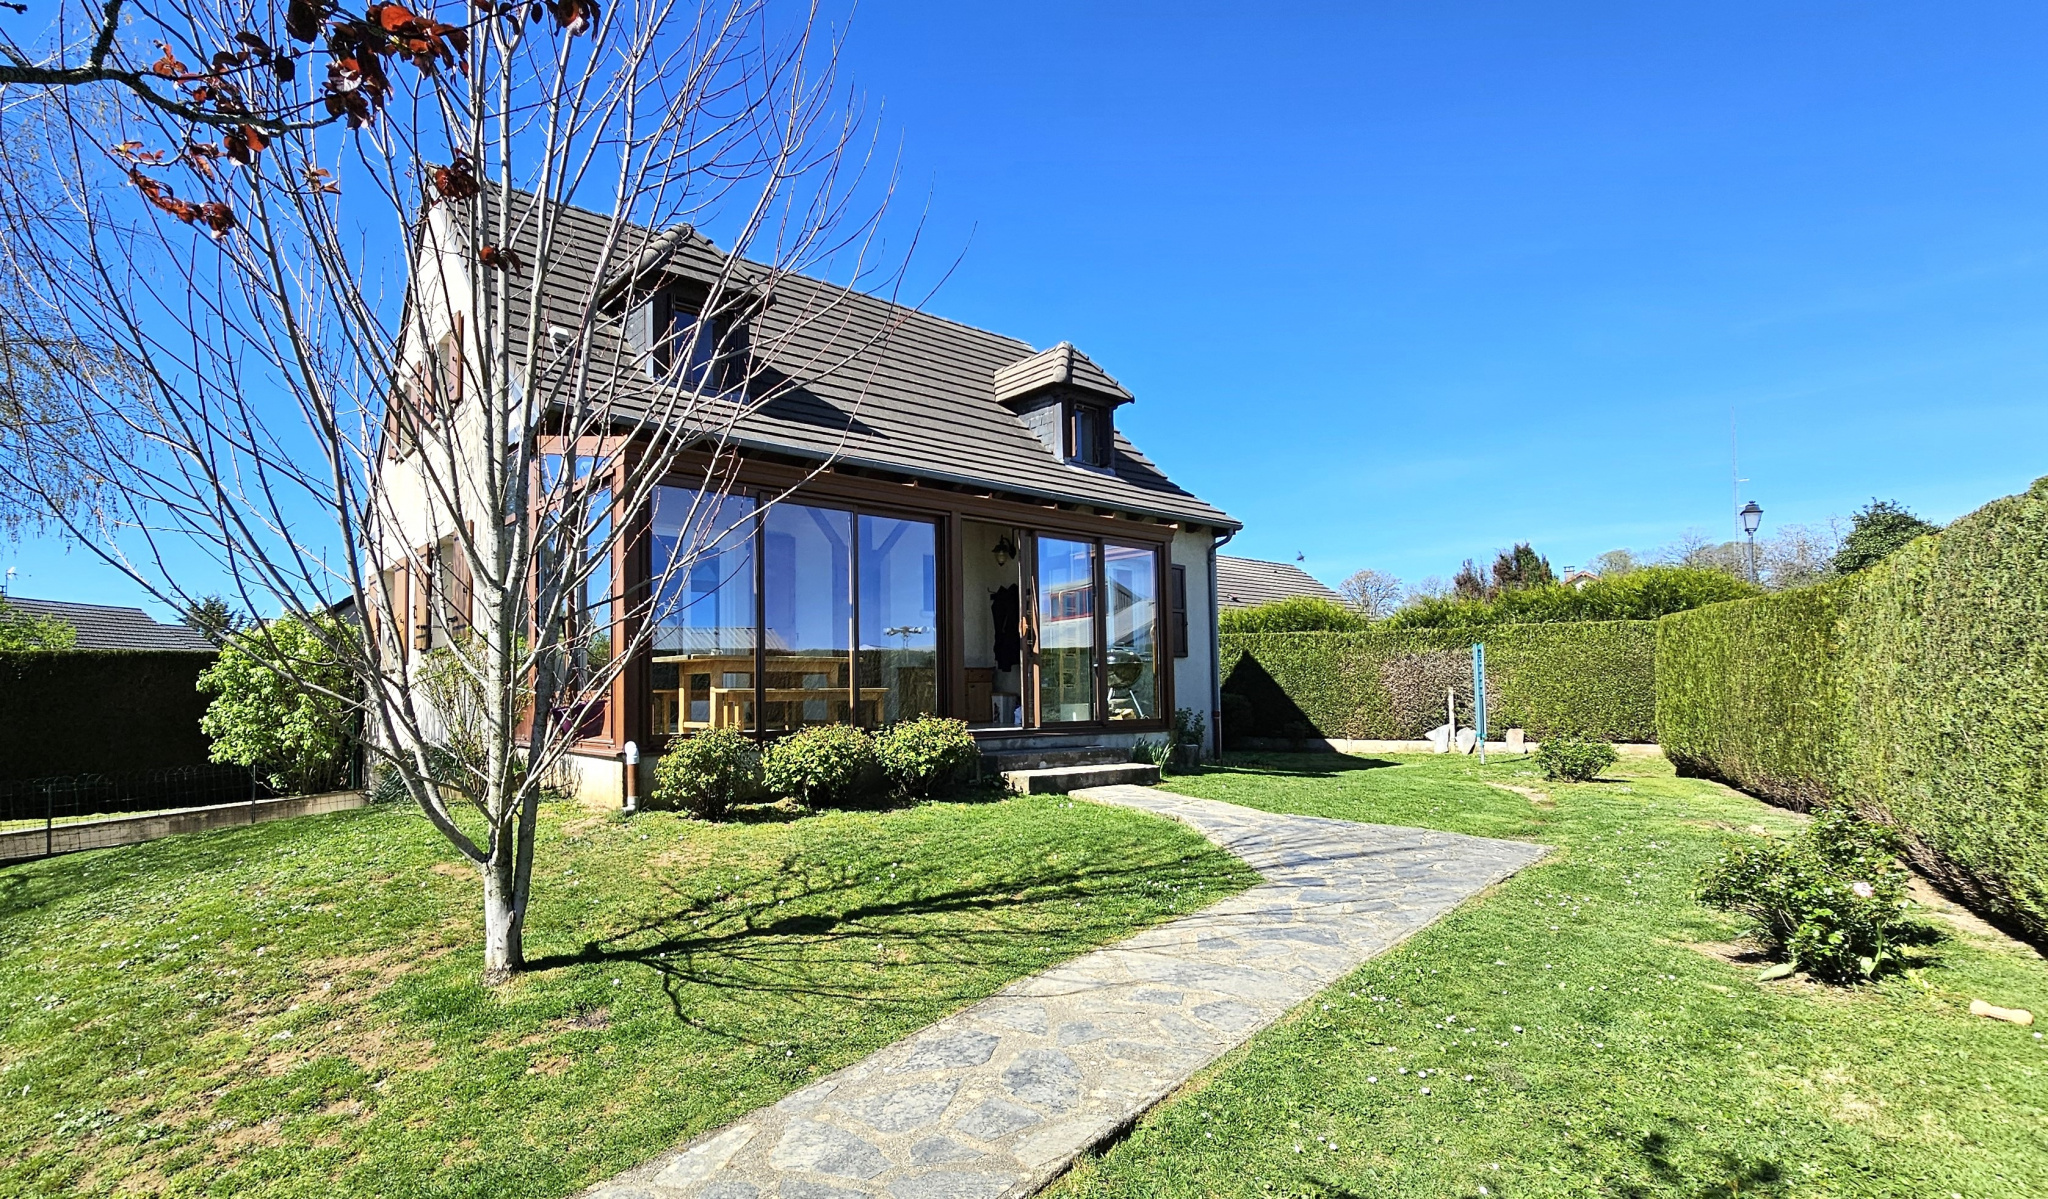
(924, 402)
(1248, 582)
(103, 626)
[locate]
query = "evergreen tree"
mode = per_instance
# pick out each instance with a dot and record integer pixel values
(1880, 527)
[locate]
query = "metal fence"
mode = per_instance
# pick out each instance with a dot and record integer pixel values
(68, 797)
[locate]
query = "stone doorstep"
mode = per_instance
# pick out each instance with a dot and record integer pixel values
(1002, 761)
(1058, 780)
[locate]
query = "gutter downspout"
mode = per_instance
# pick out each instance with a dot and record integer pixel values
(1216, 649)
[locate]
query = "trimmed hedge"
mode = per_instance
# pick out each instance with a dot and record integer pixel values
(100, 711)
(1592, 679)
(1915, 691)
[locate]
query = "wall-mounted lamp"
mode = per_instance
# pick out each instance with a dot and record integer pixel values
(1006, 549)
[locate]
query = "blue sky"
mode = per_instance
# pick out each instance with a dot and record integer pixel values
(1399, 285)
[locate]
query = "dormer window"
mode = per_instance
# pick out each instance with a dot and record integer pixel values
(670, 341)
(1088, 435)
(695, 350)
(1067, 401)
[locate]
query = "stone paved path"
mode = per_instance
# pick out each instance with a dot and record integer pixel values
(1000, 1098)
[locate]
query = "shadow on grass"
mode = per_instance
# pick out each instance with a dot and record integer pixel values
(1301, 765)
(1731, 1174)
(833, 953)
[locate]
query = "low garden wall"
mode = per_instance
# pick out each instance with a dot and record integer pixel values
(18, 844)
(1592, 679)
(86, 711)
(1916, 691)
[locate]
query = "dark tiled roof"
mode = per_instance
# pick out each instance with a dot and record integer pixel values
(102, 626)
(1248, 582)
(922, 402)
(1063, 365)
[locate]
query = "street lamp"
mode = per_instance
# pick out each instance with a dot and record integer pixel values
(1752, 516)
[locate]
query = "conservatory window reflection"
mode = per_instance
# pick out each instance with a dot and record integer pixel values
(703, 637)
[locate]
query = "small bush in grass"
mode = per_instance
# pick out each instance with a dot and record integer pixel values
(927, 756)
(1152, 753)
(823, 766)
(1830, 901)
(705, 775)
(1570, 760)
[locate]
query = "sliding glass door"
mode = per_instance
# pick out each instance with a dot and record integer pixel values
(1097, 613)
(1066, 631)
(1131, 670)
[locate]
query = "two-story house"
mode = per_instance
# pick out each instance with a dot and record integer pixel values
(983, 543)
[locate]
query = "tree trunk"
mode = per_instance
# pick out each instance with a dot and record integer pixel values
(504, 919)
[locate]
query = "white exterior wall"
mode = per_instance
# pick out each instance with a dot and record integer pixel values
(1194, 677)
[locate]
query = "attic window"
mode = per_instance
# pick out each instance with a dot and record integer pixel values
(669, 341)
(1088, 435)
(695, 347)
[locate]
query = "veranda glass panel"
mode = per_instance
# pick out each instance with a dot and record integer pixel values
(703, 575)
(1066, 630)
(1131, 577)
(808, 605)
(899, 619)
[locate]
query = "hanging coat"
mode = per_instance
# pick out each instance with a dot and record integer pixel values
(1002, 604)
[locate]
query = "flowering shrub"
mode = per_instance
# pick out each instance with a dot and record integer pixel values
(706, 774)
(1830, 901)
(1569, 760)
(927, 755)
(823, 766)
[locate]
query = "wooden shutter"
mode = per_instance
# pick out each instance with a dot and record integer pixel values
(462, 592)
(1180, 611)
(421, 579)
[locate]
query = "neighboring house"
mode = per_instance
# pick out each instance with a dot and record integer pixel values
(104, 626)
(988, 544)
(1248, 582)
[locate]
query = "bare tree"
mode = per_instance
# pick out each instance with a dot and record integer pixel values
(1614, 563)
(1375, 593)
(384, 350)
(1431, 587)
(1798, 555)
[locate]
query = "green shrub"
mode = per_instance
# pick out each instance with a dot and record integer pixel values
(1912, 691)
(282, 704)
(1830, 901)
(1152, 753)
(1644, 594)
(927, 756)
(707, 773)
(1295, 614)
(823, 766)
(1593, 679)
(1568, 759)
(27, 631)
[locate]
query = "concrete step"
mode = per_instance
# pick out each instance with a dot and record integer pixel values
(1058, 780)
(1005, 760)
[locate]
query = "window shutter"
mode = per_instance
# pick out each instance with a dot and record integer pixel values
(462, 588)
(640, 338)
(420, 577)
(1180, 611)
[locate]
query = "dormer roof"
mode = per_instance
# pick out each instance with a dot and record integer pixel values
(1061, 366)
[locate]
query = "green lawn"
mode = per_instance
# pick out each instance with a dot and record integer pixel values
(293, 1008)
(1578, 1042)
